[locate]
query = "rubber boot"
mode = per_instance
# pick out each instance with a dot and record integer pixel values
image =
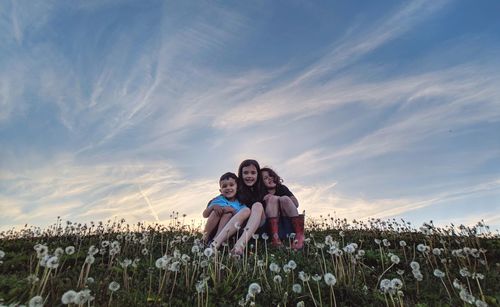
(298, 227)
(273, 231)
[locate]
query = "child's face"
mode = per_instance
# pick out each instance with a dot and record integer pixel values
(228, 188)
(249, 175)
(269, 181)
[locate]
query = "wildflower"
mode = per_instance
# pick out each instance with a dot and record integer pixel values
(58, 252)
(361, 252)
(253, 289)
(208, 252)
(385, 285)
(114, 286)
(480, 303)
(438, 273)
(145, 251)
(53, 262)
(466, 296)
(377, 241)
(68, 297)
(195, 249)
(457, 284)
(125, 263)
(255, 236)
(386, 243)
(286, 269)
(303, 276)
(477, 276)
(33, 279)
(93, 250)
(265, 236)
(297, 288)
(82, 297)
(301, 304)
(203, 263)
(274, 267)
(90, 259)
(316, 277)
(423, 248)
(174, 266)
(237, 226)
(330, 279)
(400, 272)
(90, 280)
(341, 233)
(464, 272)
(104, 244)
(70, 250)
(292, 265)
(2, 254)
(402, 243)
(394, 259)
(415, 265)
(277, 279)
(436, 251)
(185, 258)
(396, 283)
(349, 249)
(36, 301)
(260, 263)
(200, 286)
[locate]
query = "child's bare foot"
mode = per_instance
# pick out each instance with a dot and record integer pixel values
(237, 250)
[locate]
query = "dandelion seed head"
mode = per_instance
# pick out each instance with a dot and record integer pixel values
(208, 252)
(415, 265)
(277, 279)
(53, 262)
(36, 301)
(274, 267)
(292, 265)
(300, 304)
(68, 297)
(438, 273)
(114, 286)
(265, 236)
(395, 259)
(254, 288)
(402, 243)
(89, 259)
(436, 251)
(330, 279)
(396, 283)
(297, 288)
(70, 250)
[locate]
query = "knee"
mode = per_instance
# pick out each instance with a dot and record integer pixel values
(285, 200)
(244, 213)
(257, 207)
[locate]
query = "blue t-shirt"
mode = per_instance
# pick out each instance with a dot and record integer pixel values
(224, 202)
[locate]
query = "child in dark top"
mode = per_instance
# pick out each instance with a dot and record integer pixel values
(222, 208)
(281, 201)
(251, 191)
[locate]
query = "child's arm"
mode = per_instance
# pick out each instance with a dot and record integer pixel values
(295, 201)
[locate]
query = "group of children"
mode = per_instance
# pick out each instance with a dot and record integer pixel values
(252, 200)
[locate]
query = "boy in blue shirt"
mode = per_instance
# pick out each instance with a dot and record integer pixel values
(220, 209)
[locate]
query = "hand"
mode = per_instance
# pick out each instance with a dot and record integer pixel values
(218, 210)
(229, 209)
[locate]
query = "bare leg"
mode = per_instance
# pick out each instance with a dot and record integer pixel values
(230, 228)
(272, 206)
(223, 221)
(212, 221)
(288, 207)
(257, 216)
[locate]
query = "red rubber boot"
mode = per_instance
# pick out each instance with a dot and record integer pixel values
(273, 231)
(298, 227)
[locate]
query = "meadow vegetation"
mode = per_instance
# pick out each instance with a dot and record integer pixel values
(359, 263)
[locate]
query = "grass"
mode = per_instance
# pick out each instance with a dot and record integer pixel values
(370, 263)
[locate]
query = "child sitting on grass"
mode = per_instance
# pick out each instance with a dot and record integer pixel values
(280, 201)
(220, 209)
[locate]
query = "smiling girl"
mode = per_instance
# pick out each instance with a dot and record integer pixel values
(251, 191)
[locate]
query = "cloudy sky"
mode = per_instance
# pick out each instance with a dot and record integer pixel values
(134, 109)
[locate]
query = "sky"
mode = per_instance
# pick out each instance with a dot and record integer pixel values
(133, 109)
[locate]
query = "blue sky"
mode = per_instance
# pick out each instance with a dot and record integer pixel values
(135, 108)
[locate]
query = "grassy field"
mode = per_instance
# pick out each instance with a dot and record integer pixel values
(370, 263)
